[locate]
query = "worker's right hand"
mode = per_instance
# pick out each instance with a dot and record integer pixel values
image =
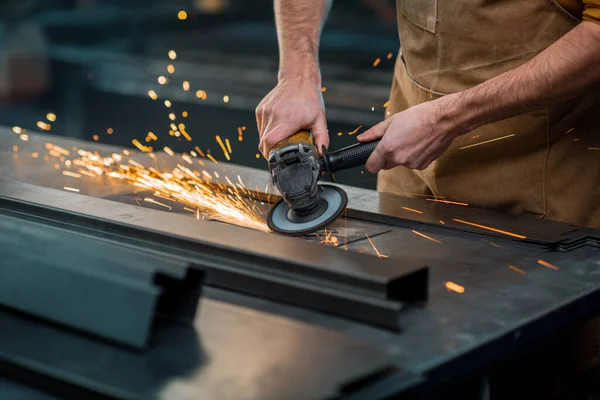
(294, 104)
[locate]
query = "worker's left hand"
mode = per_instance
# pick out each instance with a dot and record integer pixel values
(413, 138)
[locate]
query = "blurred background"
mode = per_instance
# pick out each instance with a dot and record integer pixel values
(104, 68)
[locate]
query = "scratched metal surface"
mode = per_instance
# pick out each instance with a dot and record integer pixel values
(500, 310)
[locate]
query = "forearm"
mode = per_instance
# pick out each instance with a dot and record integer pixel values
(568, 68)
(299, 24)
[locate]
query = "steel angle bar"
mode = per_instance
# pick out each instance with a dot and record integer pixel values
(355, 286)
(92, 286)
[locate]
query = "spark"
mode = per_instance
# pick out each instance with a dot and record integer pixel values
(184, 114)
(413, 210)
(51, 117)
(323, 89)
(548, 265)
(201, 94)
(223, 147)
(339, 133)
(389, 56)
(167, 103)
(448, 202)
(375, 248)
(257, 155)
(454, 287)
(172, 54)
(387, 103)
(15, 148)
(96, 137)
(569, 131)
(442, 222)
(43, 126)
(200, 151)
(186, 85)
(225, 99)
(172, 117)
(170, 69)
(151, 200)
(35, 155)
(228, 146)
(72, 174)
(143, 149)
(490, 229)
(427, 237)
(182, 15)
(168, 151)
(17, 129)
(110, 131)
(152, 94)
(516, 269)
(185, 134)
(162, 80)
(356, 130)
(70, 189)
(594, 148)
(152, 136)
(87, 173)
(187, 158)
(212, 158)
(487, 141)
(376, 62)
(24, 137)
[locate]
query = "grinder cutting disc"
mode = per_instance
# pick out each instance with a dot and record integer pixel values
(333, 201)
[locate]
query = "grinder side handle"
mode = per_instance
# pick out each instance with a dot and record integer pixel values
(348, 157)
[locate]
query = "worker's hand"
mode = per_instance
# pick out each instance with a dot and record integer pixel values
(413, 138)
(293, 105)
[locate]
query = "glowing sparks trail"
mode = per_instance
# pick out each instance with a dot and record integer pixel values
(212, 158)
(487, 141)
(412, 210)
(375, 248)
(376, 62)
(223, 147)
(455, 287)
(548, 265)
(356, 130)
(427, 237)
(490, 229)
(448, 202)
(516, 269)
(193, 190)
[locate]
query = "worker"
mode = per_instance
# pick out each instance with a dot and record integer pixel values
(493, 103)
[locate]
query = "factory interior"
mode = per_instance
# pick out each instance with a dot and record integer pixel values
(140, 257)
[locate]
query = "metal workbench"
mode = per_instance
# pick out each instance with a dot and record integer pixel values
(245, 347)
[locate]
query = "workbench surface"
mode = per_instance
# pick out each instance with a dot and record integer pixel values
(501, 310)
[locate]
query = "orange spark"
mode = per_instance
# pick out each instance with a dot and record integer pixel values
(152, 94)
(184, 114)
(70, 189)
(448, 202)
(548, 265)
(212, 158)
(376, 62)
(375, 248)
(228, 146)
(389, 56)
(24, 137)
(200, 151)
(168, 151)
(201, 94)
(518, 270)
(454, 287)
(427, 237)
(225, 99)
(172, 54)
(170, 69)
(354, 131)
(182, 15)
(51, 117)
(413, 210)
(96, 137)
(487, 141)
(186, 85)
(569, 131)
(223, 147)
(151, 200)
(72, 174)
(442, 222)
(594, 148)
(490, 229)
(17, 129)
(387, 103)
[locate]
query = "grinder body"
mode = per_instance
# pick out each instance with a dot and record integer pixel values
(295, 168)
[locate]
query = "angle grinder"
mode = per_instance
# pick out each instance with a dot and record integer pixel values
(295, 169)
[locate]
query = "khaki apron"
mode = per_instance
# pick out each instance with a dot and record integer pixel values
(546, 169)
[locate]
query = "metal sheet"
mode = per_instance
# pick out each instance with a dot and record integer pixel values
(281, 268)
(234, 352)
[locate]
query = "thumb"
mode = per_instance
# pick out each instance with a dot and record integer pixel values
(320, 134)
(376, 132)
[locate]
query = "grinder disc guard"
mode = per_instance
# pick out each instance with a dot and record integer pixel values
(333, 201)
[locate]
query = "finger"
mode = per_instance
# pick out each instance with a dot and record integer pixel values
(320, 134)
(275, 135)
(376, 161)
(376, 132)
(259, 119)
